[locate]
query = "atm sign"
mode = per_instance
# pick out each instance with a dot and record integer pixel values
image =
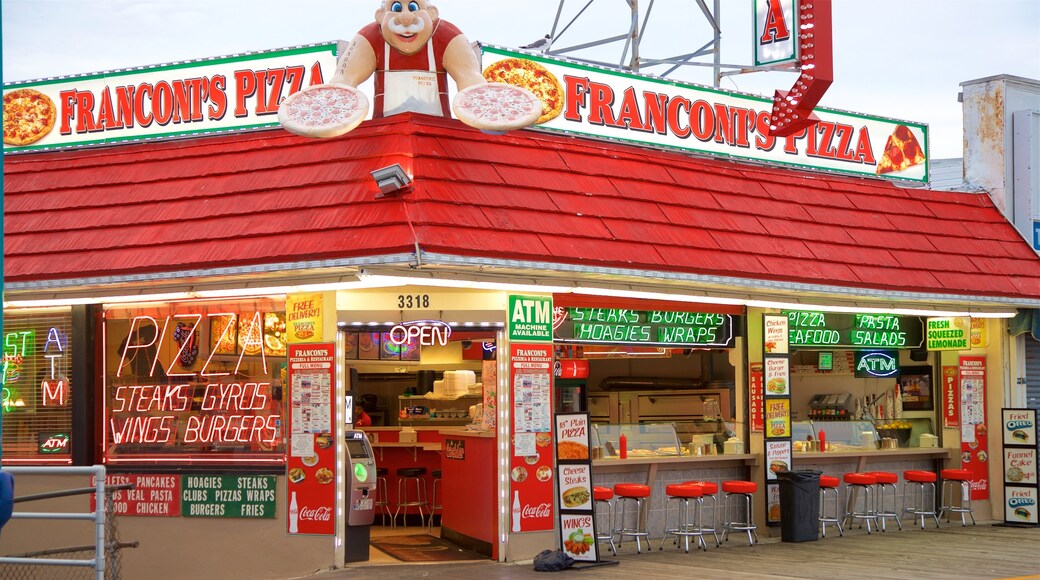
(54, 443)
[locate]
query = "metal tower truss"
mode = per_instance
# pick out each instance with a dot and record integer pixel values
(573, 39)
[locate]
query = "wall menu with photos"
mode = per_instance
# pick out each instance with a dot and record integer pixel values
(777, 338)
(1019, 442)
(577, 521)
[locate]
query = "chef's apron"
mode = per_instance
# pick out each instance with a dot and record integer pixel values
(411, 90)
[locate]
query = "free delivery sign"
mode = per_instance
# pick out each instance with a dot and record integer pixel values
(173, 100)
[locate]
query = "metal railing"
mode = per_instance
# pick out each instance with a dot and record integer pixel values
(105, 547)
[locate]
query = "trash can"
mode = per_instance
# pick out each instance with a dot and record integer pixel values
(799, 505)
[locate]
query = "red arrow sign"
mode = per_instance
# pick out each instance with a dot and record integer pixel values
(793, 109)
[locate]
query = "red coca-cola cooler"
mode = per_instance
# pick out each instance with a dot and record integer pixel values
(570, 385)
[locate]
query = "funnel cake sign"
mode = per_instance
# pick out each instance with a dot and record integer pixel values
(598, 102)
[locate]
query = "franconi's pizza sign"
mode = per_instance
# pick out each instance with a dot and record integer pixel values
(606, 103)
(186, 98)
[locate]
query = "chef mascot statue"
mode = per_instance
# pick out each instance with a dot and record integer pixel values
(410, 50)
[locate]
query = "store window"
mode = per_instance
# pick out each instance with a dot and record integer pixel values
(36, 391)
(195, 383)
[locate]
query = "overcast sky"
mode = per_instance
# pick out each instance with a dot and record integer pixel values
(895, 58)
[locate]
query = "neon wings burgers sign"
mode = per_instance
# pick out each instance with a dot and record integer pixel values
(605, 103)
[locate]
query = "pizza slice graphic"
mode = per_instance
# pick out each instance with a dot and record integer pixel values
(902, 151)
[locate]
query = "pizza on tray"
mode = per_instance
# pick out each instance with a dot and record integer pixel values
(533, 77)
(29, 116)
(902, 151)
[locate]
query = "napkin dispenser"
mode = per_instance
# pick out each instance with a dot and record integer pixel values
(408, 435)
(928, 440)
(733, 446)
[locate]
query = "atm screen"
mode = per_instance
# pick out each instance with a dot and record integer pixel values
(357, 449)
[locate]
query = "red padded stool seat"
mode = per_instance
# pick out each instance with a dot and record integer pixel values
(600, 493)
(687, 527)
(957, 474)
(625, 493)
(631, 490)
(885, 477)
(956, 478)
(829, 485)
(919, 480)
(708, 490)
(860, 479)
(604, 496)
(886, 481)
(744, 489)
(861, 483)
(739, 487)
(683, 490)
(919, 476)
(707, 487)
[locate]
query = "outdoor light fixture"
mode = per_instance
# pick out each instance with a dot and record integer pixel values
(391, 179)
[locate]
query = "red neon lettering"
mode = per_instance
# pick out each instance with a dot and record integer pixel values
(141, 430)
(225, 335)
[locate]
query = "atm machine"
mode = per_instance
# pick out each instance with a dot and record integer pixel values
(360, 495)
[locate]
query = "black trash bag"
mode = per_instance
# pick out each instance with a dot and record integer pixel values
(552, 561)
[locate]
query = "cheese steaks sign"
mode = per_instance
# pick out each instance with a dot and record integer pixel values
(605, 103)
(173, 100)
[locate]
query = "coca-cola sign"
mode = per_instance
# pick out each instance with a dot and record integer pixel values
(318, 514)
(542, 510)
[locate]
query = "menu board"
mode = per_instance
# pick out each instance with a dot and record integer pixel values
(1021, 485)
(974, 432)
(153, 494)
(531, 456)
(777, 338)
(228, 496)
(809, 328)
(311, 464)
(643, 327)
(574, 481)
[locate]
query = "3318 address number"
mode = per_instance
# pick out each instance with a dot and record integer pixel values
(413, 300)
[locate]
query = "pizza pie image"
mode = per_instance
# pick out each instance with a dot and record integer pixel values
(222, 338)
(497, 107)
(533, 77)
(543, 439)
(29, 116)
(250, 339)
(902, 151)
(327, 110)
(571, 450)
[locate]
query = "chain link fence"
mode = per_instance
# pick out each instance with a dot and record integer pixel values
(113, 550)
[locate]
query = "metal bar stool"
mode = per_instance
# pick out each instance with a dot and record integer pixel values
(382, 503)
(601, 496)
(624, 494)
(687, 528)
(860, 482)
(708, 490)
(406, 476)
(886, 481)
(745, 489)
(919, 480)
(435, 504)
(963, 478)
(830, 485)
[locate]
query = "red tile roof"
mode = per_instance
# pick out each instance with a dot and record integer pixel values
(271, 197)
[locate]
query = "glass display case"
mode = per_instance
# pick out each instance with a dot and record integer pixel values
(856, 434)
(421, 410)
(643, 440)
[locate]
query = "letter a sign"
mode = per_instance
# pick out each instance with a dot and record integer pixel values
(530, 318)
(776, 31)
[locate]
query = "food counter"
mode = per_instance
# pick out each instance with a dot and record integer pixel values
(468, 490)
(656, 458)
(392, 454)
